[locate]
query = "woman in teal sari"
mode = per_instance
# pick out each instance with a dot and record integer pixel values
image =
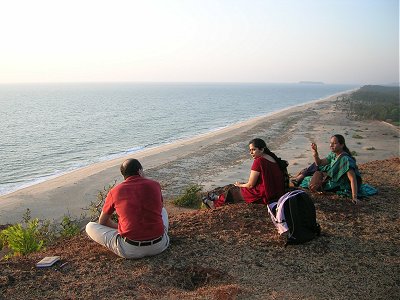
(340, 167)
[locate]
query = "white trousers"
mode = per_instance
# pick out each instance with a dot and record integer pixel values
(110, 238)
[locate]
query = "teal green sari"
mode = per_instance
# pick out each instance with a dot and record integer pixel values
(338, 181)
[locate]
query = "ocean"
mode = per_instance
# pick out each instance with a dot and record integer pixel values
(50, 129)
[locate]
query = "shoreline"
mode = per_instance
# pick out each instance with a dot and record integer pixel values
(210, 132)
(211, 159)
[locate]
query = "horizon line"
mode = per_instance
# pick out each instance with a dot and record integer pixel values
(312, 82)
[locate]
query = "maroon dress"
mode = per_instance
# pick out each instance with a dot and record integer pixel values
(270, 184)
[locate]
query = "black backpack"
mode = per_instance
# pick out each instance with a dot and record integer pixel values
(294, 216)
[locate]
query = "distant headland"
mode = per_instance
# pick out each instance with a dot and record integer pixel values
(311, 82)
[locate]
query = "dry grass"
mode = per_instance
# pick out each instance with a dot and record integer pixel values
(234, 253)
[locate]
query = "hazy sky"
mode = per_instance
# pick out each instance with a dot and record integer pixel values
(334, 41)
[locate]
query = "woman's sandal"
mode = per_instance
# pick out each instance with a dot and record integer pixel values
(207, 202)
(212, 196)
(356, 201)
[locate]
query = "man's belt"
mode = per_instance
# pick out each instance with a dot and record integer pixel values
(142, 243)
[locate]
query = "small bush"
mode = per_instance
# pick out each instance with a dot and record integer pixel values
(191, 197)
(69, 227)
(33, 234)
(95, 207)
(22, 240)
(370, 148)
(354, 153)
(357, 136)
(46, 230)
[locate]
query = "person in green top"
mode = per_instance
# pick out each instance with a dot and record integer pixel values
(340, 167)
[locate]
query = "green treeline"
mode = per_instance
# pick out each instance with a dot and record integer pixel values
(375, 102)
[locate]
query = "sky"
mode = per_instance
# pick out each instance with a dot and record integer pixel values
(333, 41)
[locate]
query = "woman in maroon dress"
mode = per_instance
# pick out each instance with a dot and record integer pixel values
(268, 179)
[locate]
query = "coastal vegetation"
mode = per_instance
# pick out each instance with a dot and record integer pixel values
(22, 240)
(190, 198)
(32, 235)
(95, 207)
(374, 102)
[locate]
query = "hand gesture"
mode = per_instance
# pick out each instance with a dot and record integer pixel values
(314, 147)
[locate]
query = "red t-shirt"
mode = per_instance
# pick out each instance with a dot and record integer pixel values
(138, 202)
(270, 184)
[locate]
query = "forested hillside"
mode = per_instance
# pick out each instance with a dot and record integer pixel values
(374, 102)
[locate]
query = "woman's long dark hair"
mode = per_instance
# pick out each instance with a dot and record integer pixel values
(342, 141)
(260, 144)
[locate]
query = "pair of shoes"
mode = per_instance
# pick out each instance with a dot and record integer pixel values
(212, 196)
(295, 182)
(208, 203)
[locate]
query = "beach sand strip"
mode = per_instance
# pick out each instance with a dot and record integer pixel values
(211, 160)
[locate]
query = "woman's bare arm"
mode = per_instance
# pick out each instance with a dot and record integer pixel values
(318, 161)
(354, 187)
(251, 182)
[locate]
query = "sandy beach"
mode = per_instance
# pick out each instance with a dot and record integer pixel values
(212, 160)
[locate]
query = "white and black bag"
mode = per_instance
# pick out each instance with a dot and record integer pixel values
(294, 215)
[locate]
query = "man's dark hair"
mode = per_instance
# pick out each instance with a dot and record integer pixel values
(130, 167)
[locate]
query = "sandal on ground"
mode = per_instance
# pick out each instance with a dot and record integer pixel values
(212, 196)
(208, 203)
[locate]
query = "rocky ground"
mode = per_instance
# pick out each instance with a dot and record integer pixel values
(235, 253)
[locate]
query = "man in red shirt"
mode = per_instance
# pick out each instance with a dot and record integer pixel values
(142, 228)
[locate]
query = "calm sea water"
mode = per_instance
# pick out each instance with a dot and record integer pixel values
(50, 129)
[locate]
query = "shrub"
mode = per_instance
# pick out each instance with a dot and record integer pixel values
(69, 227)
(190, 198)
(46, 230)
(33, 234)
(95, 207)
(22, 240)
(357, 136)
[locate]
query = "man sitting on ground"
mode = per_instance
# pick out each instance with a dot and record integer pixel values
(142, 228)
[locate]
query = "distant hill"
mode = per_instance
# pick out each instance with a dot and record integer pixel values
(311, 82)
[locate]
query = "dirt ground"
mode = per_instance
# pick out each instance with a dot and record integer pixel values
(235, 253)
